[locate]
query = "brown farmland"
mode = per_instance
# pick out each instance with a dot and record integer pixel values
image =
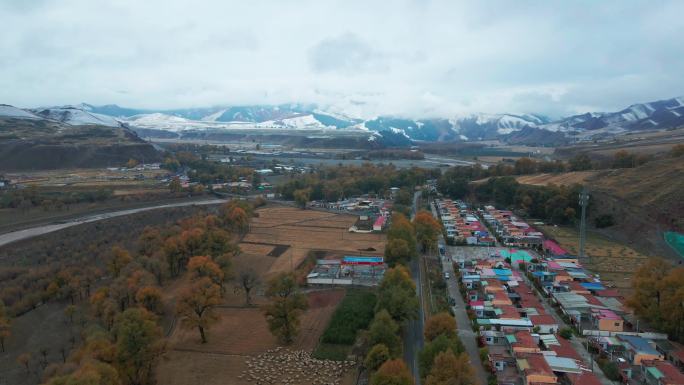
(279, 240)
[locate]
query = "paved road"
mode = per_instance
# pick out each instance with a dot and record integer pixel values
(465, 331)
(48, 228)
(413, 333)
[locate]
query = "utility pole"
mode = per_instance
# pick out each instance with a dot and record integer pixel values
(583, 201)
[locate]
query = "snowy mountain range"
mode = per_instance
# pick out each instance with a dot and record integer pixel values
(518, 128)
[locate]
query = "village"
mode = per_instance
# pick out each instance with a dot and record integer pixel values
(539, 315)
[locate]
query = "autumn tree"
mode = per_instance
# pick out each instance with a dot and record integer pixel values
(131, 163)
(384, 331)
(397, 294)
(247, 280)
(202, 266)
(624, 159)
(149, 241)
(301, 197)
(376, 356)
(24, 359)
(91, 372)
(397, 251)
(580, 162)
(672, 303)
(392, 372)
(119, 259)
(455, 187)
(104, 307)
(69, 313)
(138, 345)
(5, 326)
(238, 220)
(427, 230)
(150, 297)
(196, 306)
(525, 166)
(677, 151)
(647, 295)
(438, 324)
(426, 357)
(401, 228)
(451, 369)
(175, 185)
(227, 210)
(658, 296)
(286, 305)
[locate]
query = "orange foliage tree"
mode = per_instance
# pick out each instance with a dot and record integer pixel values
(392, 372)
(450, 369)
(428, 230)
(438, 324)
(196, 306)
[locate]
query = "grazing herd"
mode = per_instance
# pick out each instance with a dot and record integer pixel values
(282, 366)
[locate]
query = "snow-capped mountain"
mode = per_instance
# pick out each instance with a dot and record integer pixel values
(489, 126)
(75, 116)
(469, 127)
(8, 111)
(662, 114)
(519, 128)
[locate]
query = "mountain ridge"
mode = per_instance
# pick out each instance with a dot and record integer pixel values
(523, 128)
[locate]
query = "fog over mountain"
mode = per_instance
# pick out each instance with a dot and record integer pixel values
(415, 59)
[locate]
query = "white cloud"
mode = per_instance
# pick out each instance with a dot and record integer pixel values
(420, 58)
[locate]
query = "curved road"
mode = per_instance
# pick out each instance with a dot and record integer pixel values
(48, 228)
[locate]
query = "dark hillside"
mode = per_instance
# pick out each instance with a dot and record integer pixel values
(44, 144)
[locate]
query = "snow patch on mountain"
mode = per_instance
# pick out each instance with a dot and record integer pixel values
(14, 112)
(75, 116)
(399, 131)
(298, 122)
(214, 116)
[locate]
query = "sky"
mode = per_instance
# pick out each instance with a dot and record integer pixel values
(408, 58)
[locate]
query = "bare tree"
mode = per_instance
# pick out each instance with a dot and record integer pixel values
(247, 280)
(25, 360)
(44, 361)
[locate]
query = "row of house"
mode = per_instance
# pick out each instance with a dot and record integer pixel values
(521, 336)
(461, 224)
(511, 230)
(513, 320)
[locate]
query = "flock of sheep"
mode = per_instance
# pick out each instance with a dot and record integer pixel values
(282, 366)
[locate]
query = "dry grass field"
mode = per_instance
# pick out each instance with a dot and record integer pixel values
(240, 335)
(279, 239)
(615, 263)
(566, 178)
(304, 230)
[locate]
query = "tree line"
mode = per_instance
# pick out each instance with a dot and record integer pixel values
(332, 183)
(442, 360)
(658, 296)
(32, 197)
(557, 204)
(118, 297)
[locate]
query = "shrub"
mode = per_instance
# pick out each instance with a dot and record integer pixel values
(566, 333)
(354, 313)
(377, 356)
(610, 369)
(605, 220)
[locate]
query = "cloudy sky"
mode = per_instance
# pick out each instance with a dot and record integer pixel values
(413, 58)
